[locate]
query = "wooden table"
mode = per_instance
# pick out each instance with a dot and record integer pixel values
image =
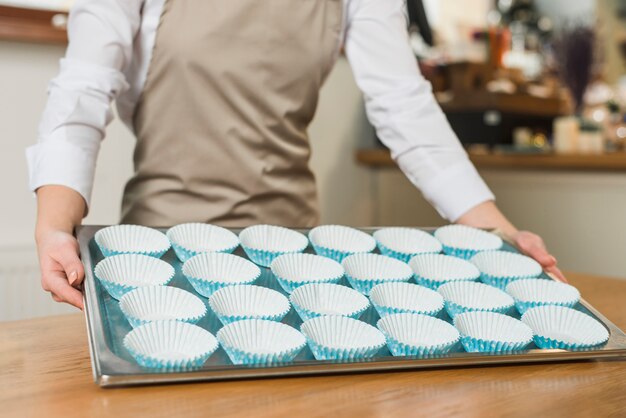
(45, 372)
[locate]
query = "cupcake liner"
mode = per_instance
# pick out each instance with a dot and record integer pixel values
(195, 238)
(398, 297)
(254, 341)
(410, 334)
(338, 242)
(499, 268)
(405, 243)
(564, 328)
(472, 296)
(170, 345)
(131, 239)
(263, 243)
(492, 332)
(122, 273)
(433, 270)
(209, 272)
(529, 293)
(160, 303)
(295, 270)
(234, 303)
(317, 299)
(464, 241)
(342, 338)
(364, 271)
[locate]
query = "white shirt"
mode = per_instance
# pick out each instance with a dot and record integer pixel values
(110, 46)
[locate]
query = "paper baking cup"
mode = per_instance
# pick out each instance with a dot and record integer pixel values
(170, 345)
(399, 297)
(472, 296)
(499, 268)
(404, 243)
(529, 293)
(464, 241)
(411, 334)
(364, 271)
(263, 243)
(492, 332)
(316, 299)
(122, 273)
(433, 270)
(209, 272)
(234, 303)
(294, 270)
(254, 341)
(160, 303)
(195, 238)
(338, 242)
(564, 328)
(342, 338)
(131, 239)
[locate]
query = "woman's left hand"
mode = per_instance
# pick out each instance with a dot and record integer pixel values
(533, 246)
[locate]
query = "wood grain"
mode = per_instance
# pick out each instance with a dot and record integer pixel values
(30, 25)
(45, 371)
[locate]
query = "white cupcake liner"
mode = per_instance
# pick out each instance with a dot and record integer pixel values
(254, 341)
(342, 338)
(410, 334)
(317, 299)
(234, 303)
(398, 297)
(464, 241)
(159, 303)
(564, 328)
(131, 239)
(338, 242)
(170, 345)
(263, 243)
(122, 273)
(209, 272)
(433, 270)
(404, 243)
(294, 270)
(366, 270)
(492, 332)
(529, 293)
(472, 296)
(191, 239)
(499, 268)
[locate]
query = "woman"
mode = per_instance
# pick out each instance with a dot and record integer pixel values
(220, 95)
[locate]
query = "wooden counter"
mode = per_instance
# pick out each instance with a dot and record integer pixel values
(45, 372)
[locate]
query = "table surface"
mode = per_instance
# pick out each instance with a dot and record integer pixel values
(45, 371)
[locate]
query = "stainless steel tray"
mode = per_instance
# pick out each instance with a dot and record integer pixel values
(113, 366)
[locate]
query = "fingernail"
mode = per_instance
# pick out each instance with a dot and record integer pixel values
(73, 277)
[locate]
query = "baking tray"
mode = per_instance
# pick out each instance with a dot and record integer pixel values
(113, 366)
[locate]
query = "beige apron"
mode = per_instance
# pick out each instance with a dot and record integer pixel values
(222, 123)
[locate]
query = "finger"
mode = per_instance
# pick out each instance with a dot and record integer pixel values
(555, 272)
(71, 264)
(61, 288)
(56, 298)
(536, 250)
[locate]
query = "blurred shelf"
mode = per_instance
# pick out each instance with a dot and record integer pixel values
(32, 25)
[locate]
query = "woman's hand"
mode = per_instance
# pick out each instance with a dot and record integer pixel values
(533, 246)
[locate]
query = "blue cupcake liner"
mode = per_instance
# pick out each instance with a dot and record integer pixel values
(206, 288)
(522, 307)
(476, 345)
(242, 357)
(227, 319)
(550, 343)
(307, 314)
(117, 290)
(185, 254)
(500, 282)
(321, 352)
(109, 253)
(135, 322)
(455, 309)
(264, 258)
(384, 311)
(463, 253)
(400, 349)
(434, 284)
(336, 255)
(289, 285)
(174, 366)
(402, 256)
(366, 286)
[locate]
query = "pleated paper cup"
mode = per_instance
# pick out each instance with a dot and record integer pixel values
(131, 239)
(472, 296)
(464, 241)
(529, 293)
(209, 272)
(564, 328)
(170, 345)
(341, 338)
(234, 303)
(410, 334)
(338, 242)
(196, 238)
(405, 243)
(295, 270)
(317, 299)
(263, 243)
(499, 268)
(364, 271)
(399, 297)
(433, 270)
(160, 303)
(492, 332)
(122, 273)
(258, 341)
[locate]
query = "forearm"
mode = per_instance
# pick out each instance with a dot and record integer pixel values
(487, 215)
(59, 208)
